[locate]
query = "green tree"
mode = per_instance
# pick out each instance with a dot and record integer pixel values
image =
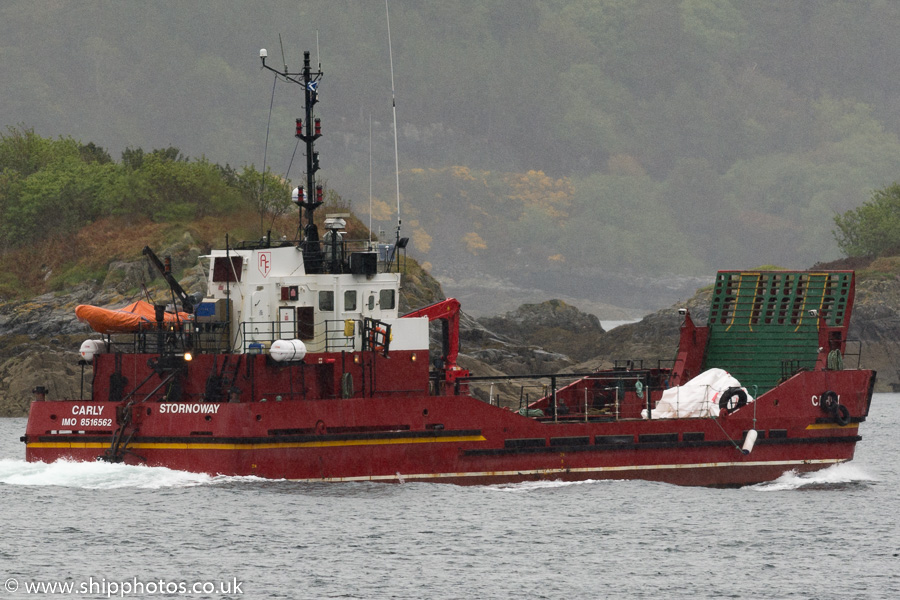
(54, 187)
(25, 152)
(179, 189)
(91, 152)
(874, 227)
(56, 200)
(132, 158)
(268, 194)
(48, 187)
(715, 25)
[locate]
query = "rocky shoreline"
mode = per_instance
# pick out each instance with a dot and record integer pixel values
(39, 338)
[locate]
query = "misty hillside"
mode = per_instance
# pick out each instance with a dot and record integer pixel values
(598, 149)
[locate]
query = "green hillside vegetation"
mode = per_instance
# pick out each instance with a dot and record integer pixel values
(68, 210)
(538, 137)
(686, 136)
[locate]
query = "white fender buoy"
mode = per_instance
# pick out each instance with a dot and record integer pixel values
(749, 441)
(287, 350)
(90, 348)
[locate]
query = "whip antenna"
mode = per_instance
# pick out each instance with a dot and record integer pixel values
(283, 60)
(394, 106)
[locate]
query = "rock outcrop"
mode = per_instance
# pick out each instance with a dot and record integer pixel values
(554, 326)
(39, 338)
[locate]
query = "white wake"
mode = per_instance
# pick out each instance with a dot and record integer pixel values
(832, 477)
(102, 475)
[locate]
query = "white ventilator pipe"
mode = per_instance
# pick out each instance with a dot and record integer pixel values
(749, 441)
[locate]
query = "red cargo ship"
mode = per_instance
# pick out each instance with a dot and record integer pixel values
(296, 365)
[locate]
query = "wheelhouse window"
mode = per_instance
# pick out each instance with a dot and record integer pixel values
(326, 301)
(225, 270)
(350, 300)
(386, 299)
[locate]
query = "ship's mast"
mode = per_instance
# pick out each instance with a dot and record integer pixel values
(312, 197)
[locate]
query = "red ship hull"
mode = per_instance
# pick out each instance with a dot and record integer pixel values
(409, 435)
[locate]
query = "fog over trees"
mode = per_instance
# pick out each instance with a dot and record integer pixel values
(578, 146)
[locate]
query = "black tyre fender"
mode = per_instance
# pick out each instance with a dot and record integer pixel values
(841, 414)
(828, 401)
(731, 393)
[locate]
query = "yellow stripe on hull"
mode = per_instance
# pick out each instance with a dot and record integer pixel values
(832, 426)
(259, 446)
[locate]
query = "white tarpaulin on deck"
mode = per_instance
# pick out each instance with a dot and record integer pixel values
(699, 397)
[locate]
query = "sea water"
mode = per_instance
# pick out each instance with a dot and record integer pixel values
(125, 531)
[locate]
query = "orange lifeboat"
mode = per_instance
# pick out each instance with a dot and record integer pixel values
(136, 316)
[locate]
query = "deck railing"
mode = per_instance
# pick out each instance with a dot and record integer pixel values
(594, 396)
